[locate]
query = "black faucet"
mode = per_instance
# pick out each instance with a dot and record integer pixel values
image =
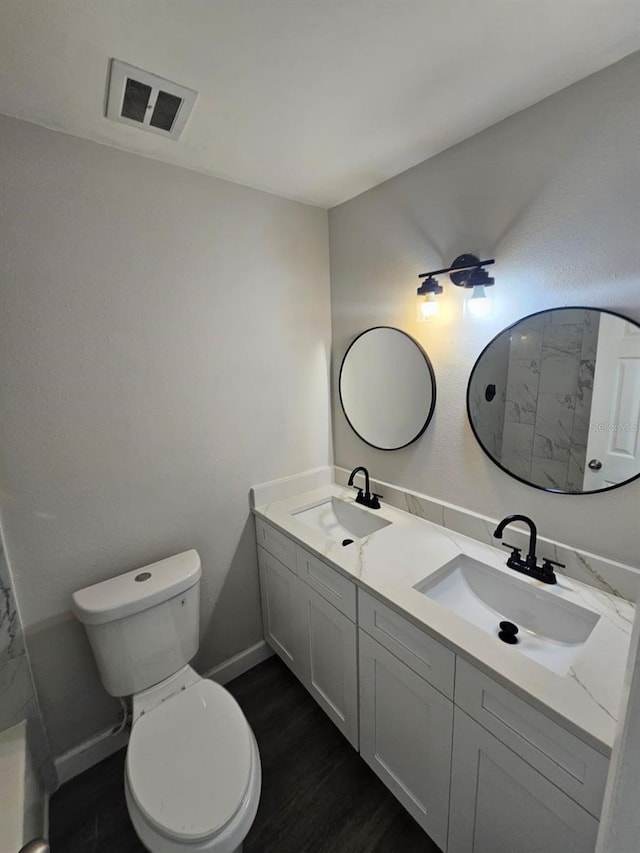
(529, 566)
(366, 499)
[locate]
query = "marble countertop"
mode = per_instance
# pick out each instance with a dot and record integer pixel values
(389, 562)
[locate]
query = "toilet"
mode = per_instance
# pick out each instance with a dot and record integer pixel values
(192, 777)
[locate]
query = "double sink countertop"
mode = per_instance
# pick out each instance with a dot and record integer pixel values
(391, 561)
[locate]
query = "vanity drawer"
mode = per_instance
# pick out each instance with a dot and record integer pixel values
(336, 589)
(424, 655)
(561, 757)
(276, 543)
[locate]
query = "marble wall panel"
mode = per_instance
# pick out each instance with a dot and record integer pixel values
(18, 699)
(553, 427)
(522, 390)
(550, 384)
(590, 335)
(517, 441)
(11, 639)
(549, 473)
(488, 416)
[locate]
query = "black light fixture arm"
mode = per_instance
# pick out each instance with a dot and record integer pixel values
(463, 272)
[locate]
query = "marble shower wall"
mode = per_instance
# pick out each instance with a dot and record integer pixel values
(488, 416)
(548, 398)
(18, 700)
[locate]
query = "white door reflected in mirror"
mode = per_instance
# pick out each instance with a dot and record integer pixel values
(387, 388)
(613, 447)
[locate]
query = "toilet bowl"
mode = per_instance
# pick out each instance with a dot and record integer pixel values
(192, 776)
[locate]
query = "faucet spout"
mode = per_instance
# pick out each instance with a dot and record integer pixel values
(366, 478)
(533, 534)
(529, 566)
(365, 498)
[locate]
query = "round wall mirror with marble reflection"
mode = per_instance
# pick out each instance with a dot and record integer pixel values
(387, 388)
(554, 400)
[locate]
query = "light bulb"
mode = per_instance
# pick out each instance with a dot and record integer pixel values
(478, 304)
(428, 307)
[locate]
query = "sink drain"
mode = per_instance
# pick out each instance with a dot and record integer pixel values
(507, 633)
(347, 541)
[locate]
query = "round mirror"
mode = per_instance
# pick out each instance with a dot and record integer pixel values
(387, 388)
(554, 400)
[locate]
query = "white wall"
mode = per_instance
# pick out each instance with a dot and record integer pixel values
(554, 194)
(164, 343)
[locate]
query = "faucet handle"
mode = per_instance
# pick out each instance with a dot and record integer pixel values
(363, 498)
(547, 563)
(517, 550)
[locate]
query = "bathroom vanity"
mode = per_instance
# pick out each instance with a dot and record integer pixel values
(482, 742)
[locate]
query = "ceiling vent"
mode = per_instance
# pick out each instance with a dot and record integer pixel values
(148, 102)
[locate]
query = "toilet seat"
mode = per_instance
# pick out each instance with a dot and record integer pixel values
(189, 763)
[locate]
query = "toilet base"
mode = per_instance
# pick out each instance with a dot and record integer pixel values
(229, 841)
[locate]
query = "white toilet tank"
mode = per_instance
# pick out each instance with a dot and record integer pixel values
(143, 626)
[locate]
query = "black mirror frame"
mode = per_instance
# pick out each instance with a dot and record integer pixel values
(433, 386)
(477, 437)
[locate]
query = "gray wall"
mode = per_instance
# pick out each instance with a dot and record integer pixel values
(554, 194)
(165, 345)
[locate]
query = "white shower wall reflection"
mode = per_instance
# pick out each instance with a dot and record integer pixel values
(555, 400)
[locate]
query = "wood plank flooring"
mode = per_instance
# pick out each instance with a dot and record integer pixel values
(318, 796)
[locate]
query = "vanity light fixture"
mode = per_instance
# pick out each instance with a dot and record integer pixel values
(466, 271)
(428, 306)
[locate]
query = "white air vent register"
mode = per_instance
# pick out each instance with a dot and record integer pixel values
(147, 101)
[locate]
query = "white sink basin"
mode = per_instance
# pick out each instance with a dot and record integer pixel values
(339, 520)
(551, 631)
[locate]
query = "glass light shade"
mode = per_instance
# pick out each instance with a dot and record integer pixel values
(428, 307)
(478, 304)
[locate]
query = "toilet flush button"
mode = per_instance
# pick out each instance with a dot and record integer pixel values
(143, 576)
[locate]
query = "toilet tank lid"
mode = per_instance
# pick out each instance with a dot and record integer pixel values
(138, 590)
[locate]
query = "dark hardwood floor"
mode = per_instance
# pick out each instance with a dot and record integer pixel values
(318, 796)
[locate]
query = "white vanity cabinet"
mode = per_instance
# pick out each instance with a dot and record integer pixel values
(280, 597)
(499, 802)
(309, 616)
(329, 661)
(406, 712)
(405, 735)
(566, 761)
(518, 775)
(479, 768)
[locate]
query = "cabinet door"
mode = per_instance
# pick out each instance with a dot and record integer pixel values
(329, 669)
(499, 802)
(280, 596)
(405, 736)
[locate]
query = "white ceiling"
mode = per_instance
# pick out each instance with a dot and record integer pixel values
(315, 100)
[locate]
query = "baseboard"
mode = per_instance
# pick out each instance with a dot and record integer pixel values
(85, 755)
(104, 744)
(240, 663)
